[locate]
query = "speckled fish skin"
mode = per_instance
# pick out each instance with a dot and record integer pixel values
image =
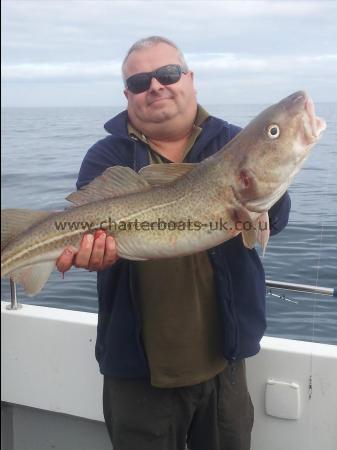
(242, 180)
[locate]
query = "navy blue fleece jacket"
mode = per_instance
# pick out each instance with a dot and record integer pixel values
(238, 272)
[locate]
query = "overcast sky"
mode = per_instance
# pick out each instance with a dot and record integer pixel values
(68, 53)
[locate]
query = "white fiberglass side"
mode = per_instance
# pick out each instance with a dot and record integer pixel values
(48, 363)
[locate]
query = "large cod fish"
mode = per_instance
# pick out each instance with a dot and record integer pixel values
(172, 209)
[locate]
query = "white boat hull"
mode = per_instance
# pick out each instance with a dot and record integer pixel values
(52, 389)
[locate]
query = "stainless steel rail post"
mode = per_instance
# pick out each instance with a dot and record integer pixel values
(14, 305)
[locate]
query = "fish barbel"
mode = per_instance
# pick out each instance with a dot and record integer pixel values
(169, 210)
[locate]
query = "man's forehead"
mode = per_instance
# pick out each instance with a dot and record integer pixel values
(150, 58)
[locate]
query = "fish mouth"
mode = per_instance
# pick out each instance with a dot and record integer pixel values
(301, 103)
(314, 125)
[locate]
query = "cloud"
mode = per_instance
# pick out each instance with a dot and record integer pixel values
(77, 47)
(60, 71)
(33, 30)
(229, 63)
(218, 64)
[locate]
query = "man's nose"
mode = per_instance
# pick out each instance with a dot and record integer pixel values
(155, 85)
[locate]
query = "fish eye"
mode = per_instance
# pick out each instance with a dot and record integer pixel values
(273, 131)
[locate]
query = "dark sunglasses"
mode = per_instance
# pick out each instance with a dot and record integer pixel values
(166, 75)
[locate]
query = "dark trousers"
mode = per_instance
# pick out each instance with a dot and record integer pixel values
(214, 415)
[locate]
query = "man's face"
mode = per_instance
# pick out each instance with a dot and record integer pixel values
(159, 103)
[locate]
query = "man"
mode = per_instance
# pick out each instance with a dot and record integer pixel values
(172, 334)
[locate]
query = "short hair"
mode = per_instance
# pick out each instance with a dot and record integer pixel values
(150, 42)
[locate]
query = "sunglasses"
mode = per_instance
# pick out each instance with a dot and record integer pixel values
(166, 75)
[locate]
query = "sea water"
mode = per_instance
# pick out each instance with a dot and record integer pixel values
(42, 149)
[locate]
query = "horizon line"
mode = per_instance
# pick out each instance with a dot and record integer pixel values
(125, 106)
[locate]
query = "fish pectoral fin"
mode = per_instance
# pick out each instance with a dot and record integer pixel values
(160, 174)
(263, 231)
(249, 238)
(33, 278)
(254, 227)
(114, 182)
(258, 231)
(244, 222)
(16, 221)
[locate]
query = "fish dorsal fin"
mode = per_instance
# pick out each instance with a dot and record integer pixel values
(159, 174)
(16, 221)
(114, 182)
(33, 278)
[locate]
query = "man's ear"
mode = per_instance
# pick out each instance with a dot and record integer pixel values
(126, 93)
(192, 78)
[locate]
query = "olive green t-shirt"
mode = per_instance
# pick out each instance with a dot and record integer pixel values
(179, 313)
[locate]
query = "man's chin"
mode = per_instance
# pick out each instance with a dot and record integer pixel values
(162, 114)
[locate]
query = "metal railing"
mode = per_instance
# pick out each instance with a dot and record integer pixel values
(302, 288)
(14, 305)
(14, 301)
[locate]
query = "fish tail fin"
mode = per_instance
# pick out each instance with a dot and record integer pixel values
(16, 221)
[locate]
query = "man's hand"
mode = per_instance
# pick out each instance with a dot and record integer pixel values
(95, 253)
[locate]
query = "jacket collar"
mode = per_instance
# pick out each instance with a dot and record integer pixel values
(117, 126)
(211, 127)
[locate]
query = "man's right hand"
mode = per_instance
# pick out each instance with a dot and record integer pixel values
(95, 253)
